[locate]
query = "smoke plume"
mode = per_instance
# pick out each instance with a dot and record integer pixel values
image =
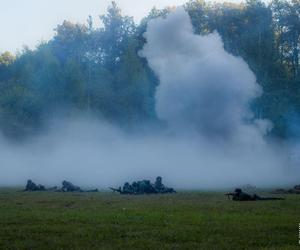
(202, 87)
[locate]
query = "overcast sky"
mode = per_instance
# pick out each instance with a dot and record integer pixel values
(26, 22)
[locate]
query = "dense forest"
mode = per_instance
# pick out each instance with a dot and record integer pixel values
(97, 70)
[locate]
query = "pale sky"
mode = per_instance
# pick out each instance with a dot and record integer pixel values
(26, 22)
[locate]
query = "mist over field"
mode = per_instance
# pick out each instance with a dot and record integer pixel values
(95, 154)
(208, 136)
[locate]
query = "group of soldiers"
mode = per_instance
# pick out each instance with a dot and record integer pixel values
(66, 187)
(144, 187)
(137, 187)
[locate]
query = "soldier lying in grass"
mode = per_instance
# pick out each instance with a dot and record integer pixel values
(239, 195)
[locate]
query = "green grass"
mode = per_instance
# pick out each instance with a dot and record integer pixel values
(187, 220)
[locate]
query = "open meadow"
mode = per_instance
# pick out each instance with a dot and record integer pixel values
(186, 220)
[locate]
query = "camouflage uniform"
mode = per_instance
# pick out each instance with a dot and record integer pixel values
(69, 187)
(31, 186)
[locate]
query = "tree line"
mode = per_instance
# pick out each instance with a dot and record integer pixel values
(97, 70)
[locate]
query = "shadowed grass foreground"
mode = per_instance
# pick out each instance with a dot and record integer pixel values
(187, 220)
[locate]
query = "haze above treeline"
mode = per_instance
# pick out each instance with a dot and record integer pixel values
(85, 69)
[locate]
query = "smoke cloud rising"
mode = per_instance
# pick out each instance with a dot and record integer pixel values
(203, 88)
(211, 139)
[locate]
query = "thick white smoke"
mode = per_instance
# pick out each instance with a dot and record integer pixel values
(211, 139)
(202, 87)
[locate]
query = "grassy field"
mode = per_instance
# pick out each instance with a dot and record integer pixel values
(187, 220)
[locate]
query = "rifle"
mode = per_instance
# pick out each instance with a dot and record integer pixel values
(229, 194)
(116, 190)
